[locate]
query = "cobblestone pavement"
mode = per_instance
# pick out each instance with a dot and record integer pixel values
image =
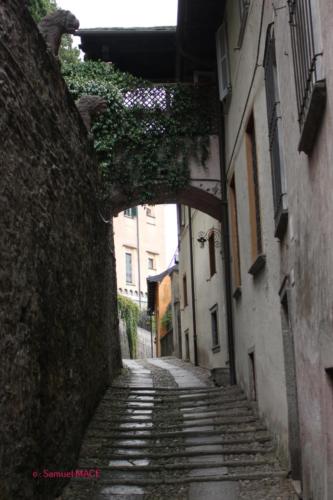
(164, 431)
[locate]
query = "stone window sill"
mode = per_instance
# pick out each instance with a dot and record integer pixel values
(313, 117)
(237, 292)
(258, 265)
(281, 223)
(216, 348)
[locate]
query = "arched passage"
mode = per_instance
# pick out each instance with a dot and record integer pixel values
(203, 191)
(192, 196)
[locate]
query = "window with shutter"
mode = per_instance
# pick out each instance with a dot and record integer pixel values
(274, 133)
(223, 62)
(243, 12)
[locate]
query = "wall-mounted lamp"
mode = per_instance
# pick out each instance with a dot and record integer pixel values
(204, 236)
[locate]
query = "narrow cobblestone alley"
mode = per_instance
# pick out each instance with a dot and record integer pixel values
(164, 431)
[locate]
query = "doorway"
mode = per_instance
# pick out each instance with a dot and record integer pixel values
(291, 387)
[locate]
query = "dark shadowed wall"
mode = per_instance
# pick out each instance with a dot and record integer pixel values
(59, 344)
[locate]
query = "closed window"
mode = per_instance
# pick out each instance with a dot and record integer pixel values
(223, 62)
(151, 264)
(214, 326)
(185, 290)
(131, 212)
(129, 270)
(234, 234)
(253, 188)
(211, 248)
(243, 12)
(258, 258)
(274, 124)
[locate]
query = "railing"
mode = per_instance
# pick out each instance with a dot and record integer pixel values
(304, 54)
(157, 107)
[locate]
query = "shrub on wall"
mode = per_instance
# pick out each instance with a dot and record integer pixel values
(40, 8)
(130, 313)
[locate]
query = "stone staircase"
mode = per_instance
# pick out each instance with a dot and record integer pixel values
(179, 443)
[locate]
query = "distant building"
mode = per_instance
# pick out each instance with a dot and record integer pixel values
(140, 249)
(160, 305)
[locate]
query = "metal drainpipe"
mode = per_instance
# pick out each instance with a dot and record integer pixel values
(195, 344)
(226, 251)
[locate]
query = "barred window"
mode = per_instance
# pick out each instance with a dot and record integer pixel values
(274, 124)
(310, 86)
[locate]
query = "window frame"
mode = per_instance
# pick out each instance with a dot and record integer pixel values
(131, 213)
(129, 269)
(310, 84)
(152, 259)
(215, 334)
(185, 296)
(223, 62)
(236, 264)
(211, 253)
(257, 256)
(243, 6)
(274, 122)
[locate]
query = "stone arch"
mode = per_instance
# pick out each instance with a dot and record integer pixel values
(192, 196)
(203, 191)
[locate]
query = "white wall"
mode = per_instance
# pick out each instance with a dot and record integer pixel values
(209, 291)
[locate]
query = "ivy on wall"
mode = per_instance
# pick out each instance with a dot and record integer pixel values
(130, 313)
(149, 133)
(40, 8)
(166, 320)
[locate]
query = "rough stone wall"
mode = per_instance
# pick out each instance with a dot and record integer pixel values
(56, 342)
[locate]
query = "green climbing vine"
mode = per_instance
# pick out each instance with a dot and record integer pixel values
(166, 320)
(40, 8)
(130, 313)
(149, 133)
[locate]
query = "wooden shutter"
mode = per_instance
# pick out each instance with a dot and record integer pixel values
(223, 61)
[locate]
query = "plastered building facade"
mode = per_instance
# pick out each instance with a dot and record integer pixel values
(140, 249)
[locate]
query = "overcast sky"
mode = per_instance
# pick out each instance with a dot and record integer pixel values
(118, 13)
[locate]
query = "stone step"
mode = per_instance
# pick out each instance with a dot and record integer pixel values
(181, 398)
(183, 424)
(228, 420)
(190, 452)
(181, 434)
(246, 476)
(145, 472)
(126, 405)
(175, 390)
(130, 465)
(144, 434)
(195, 440)
(220, 410)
